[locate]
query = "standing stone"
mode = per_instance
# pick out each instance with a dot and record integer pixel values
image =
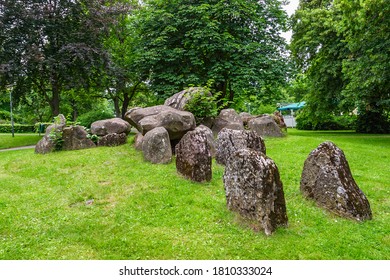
(193, 156)
(75, 138)
(327, 179)
(156, 146)
(265, 126)
(210, 138)
(227, 118)
(230, 140)
(253, 189)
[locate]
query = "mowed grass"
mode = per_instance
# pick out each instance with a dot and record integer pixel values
(20, 139)
(107, 203)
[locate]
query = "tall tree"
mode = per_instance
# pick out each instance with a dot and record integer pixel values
(366, 26)
(235, 43)
(342, 47)
(51, 46)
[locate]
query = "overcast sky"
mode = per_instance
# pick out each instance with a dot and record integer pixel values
(290, 9)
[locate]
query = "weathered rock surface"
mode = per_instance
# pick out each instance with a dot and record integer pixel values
(179, 100)
(265, 126)
(138, 138)
(193, 156)
(278, 117)
(156, 146)
(110, 126)
(327, 179)
(230, 140)
(47, 144)
(227, 118)
(76, 138)
(253, 189)
(246, 117)
(112, 139)
(176, 122)
(210, 138)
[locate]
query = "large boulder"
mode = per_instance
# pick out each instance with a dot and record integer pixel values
(112, 139)
(179, 100)
(254, 190)
(52, 140)
(193, 156)
(265, 126)
(76, 138)
(278, 117)
(110, 126)
(176, 122)
(210, 138)
(230, 140)
(246, 117)
(227, 118)
(156, 146)
(327, 179)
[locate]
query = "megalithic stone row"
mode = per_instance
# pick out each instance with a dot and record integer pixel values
(254, 190)
(327, 179)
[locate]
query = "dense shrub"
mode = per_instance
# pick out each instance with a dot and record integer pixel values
(372, 122)
(306, 121)
(18, 128)
(88, 118)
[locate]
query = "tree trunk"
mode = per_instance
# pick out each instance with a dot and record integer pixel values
(117, 107)
(55, 97)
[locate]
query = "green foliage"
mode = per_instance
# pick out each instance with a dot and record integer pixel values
(236, 43)
(307, 121)
(18, 128)
(340, 46)
(96, 115)
(149, 212)
(203, 104)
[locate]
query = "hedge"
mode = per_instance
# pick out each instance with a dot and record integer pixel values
(18, 128)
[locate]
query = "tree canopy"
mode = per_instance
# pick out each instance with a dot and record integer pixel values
(236, 43)
(49, 47)
(342, 47)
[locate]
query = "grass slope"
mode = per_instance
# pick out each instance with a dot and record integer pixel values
(7, 141)
(145, 211)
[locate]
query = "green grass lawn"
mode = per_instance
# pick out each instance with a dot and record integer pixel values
(145, 211)
(20, 139)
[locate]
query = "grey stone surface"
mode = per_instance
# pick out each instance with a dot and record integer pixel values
(227, 118)
(327, 179)
(265, 126)
(156, 146)
(230, 140)
(47, 143)
(138, 138)
(210, 138)
(193, 156)
(110, 126)
(112, 139)
(176, 122)
(75, 138)
(179, 100)
(254, 190)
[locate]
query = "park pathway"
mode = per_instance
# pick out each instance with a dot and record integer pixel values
(17, 148)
